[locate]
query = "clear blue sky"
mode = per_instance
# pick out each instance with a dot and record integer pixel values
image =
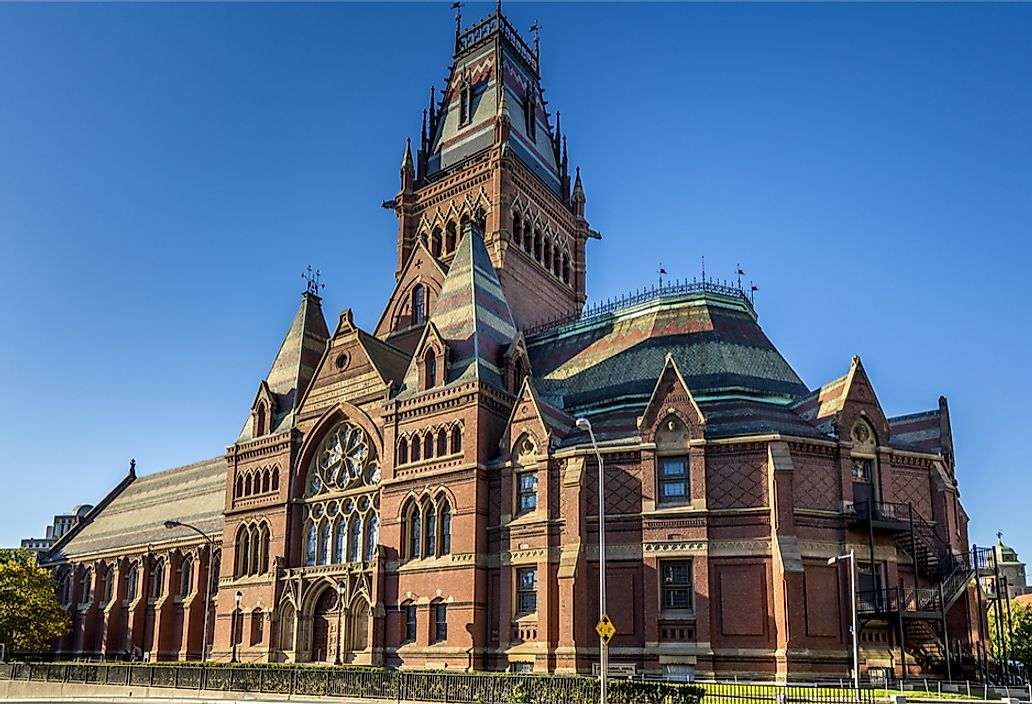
(167, 171)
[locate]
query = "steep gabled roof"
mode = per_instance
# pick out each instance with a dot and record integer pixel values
(472, 316)
(553, 422)
(295, 363)
(133, 516)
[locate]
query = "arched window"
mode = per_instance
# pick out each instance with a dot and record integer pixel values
(538, 244)
(446, 529)
(257, 626)
(430, 365)
(158, 579)
(435, 242)
(403, 451)
(185, 576)
(556, 260)
(372, 536)
(133, 582)
(418, 304)
(324, 543)
(310, 542)
(66, 589)
(428, 445)
(415, 534)
(339, 540)
(216, 569)
(566, 269)
(266, 481)
(517, 230)
(546, 258)
(109, 584)
(456, 440)
(442, 442)
(244, 552)
(355, 540)
(529, 114)
(275, 478)
(466, 103)
(266, 544)
(86, 585)
(239, 486)
(430, 544)
(259, 420)
(449, 237)
(416, 447)
(247, 485)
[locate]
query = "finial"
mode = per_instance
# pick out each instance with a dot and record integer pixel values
(457, 6)
(536, 30)
(503, 107)
(132, 468)
(999, 536)
(753, 288)
(565, 160)
(662, 271)
(578, 189)
(741, 273)
(704, 270)
(498, 9)
(423, 133)
(312, 280)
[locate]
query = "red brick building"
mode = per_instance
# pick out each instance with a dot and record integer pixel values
(420, 496)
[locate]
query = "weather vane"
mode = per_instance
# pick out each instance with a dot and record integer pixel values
(999, 535)
(312, 280)
(662, 271)
(740, 275)
(536, 31)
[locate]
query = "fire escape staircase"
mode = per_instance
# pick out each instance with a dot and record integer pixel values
(918, 613)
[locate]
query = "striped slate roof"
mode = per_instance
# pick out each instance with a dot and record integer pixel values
(920, 431)
(616, 358)
(134, 518)
(295, 363)
(472, 316)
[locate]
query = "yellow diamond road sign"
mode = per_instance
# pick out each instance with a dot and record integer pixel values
(605, 628)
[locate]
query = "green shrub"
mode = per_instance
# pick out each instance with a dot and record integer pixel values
(631, 692)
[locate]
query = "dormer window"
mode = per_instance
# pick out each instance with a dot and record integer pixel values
(431, 369)
(529, 112)
(466, 103)
(260, 420)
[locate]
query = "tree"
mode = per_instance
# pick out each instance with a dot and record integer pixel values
(30, 615)
(1019, 640)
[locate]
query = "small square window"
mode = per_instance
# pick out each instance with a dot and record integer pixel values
(673, 479)
(527, 492)
(526, 590)
(676, 584)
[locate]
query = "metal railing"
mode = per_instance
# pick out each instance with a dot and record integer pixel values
(610, 305)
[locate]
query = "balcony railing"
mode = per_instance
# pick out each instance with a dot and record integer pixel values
(882, 511)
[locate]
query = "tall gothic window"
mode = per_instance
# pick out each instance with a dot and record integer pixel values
(456, 440)
(342, 496)
(529, 114)
(133, 583)
(430, 548)
(418, 305)
(446, 529)
(158, 579)
(415, 533)
(372, 537)
(430, 362)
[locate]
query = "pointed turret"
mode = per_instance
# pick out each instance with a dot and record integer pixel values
(578, 198)
(408, 169)
(293, 367)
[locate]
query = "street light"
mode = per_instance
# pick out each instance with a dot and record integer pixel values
(851, 556)
(233, 630)
(207, 589)
(340, 607)
(603, 653)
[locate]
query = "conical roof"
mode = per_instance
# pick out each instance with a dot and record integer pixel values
(472, 317)
(295, 362)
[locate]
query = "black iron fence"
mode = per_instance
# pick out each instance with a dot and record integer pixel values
(457, 687)
(372, 683)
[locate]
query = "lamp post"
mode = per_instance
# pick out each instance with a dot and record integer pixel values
(233, 630)
(851, 556)
(340, 607)
(207, 589)
(603, 653)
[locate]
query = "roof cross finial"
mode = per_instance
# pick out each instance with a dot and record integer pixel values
(536, 30)
(704, 269)
(312, 280)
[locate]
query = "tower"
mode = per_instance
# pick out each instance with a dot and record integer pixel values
(488, 153)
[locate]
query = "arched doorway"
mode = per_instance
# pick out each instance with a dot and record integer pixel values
(324, 627)
(358, 639)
